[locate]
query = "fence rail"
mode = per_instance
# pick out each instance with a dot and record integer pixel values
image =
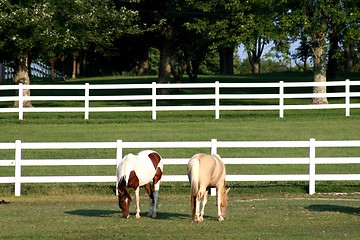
(284, 90)
(213, 146)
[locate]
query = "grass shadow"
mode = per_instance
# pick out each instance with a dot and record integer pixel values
(92, 212)
(334, 208)
(170, 215)
(110, 213)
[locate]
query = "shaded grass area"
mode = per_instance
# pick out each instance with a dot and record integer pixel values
(249, 217)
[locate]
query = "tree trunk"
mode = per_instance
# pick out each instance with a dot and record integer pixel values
(22, 76)
(84, 65)
(63, 58)
(74, 73)
(349, 54)
(52, 63)
(255, 53)
(165, 62)
(179, 71)
(144, 67)
(332, 61)
(254, 60)
(226, 60)
(78, 67)
(192, 70)
(165, 55)
(320, 70)
(255, 67)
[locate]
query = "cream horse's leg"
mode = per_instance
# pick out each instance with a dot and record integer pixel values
(201, 195)
(197, 207)
(203, 206)
(137, 199)
(218, 195)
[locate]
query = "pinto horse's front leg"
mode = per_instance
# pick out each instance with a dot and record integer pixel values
(153, 195)
(137, 199)
(156, 197)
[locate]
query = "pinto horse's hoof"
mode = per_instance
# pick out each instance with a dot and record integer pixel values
(221, 218)
(198, 219)
(123, 216)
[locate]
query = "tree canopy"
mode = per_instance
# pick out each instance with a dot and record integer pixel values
(185, 33)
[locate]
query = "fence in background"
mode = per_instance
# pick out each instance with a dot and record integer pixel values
(213, 146)
(153, 98)
(38, 69)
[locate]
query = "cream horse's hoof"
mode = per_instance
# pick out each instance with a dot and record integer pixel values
(221, 218)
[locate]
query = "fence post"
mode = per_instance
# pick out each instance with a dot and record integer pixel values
(312, 166)
(153, 100)
(18, 167)
(21, 101)
(217, 100)
(281, 99)
(347, 97)
(119, 154)
(213, 151)
(213, 146)
(87, 100)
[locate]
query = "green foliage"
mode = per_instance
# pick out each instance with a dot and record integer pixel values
(50, 28)
(25, 28)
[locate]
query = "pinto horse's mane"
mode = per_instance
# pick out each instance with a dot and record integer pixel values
(125, 167)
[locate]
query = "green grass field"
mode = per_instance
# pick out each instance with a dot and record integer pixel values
(249, 217)
(261, 210)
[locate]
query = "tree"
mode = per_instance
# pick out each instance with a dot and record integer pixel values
(311, 19)
(303, 52)
(24, 32)
(261, 28)
(181, 48)
(90, 24)
(218, 23)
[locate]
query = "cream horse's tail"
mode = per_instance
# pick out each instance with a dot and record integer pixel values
(193, 173)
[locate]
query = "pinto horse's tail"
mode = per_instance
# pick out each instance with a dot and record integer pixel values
(193, 174)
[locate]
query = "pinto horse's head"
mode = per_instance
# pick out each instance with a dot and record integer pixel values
(124, 199)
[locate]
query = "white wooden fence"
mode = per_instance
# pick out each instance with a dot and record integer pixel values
(213, 146)
(154, 98)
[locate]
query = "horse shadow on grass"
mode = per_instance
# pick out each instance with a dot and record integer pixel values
(334, 208)
(116, 213)
(92, 212)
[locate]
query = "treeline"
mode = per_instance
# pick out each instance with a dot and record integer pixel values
(177, 37)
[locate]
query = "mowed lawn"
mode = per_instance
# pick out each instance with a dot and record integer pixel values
(249, 217)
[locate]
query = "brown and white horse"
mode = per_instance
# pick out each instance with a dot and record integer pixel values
(206, 171)
(135, 171)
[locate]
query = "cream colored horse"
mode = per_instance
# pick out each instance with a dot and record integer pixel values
(206, 171)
